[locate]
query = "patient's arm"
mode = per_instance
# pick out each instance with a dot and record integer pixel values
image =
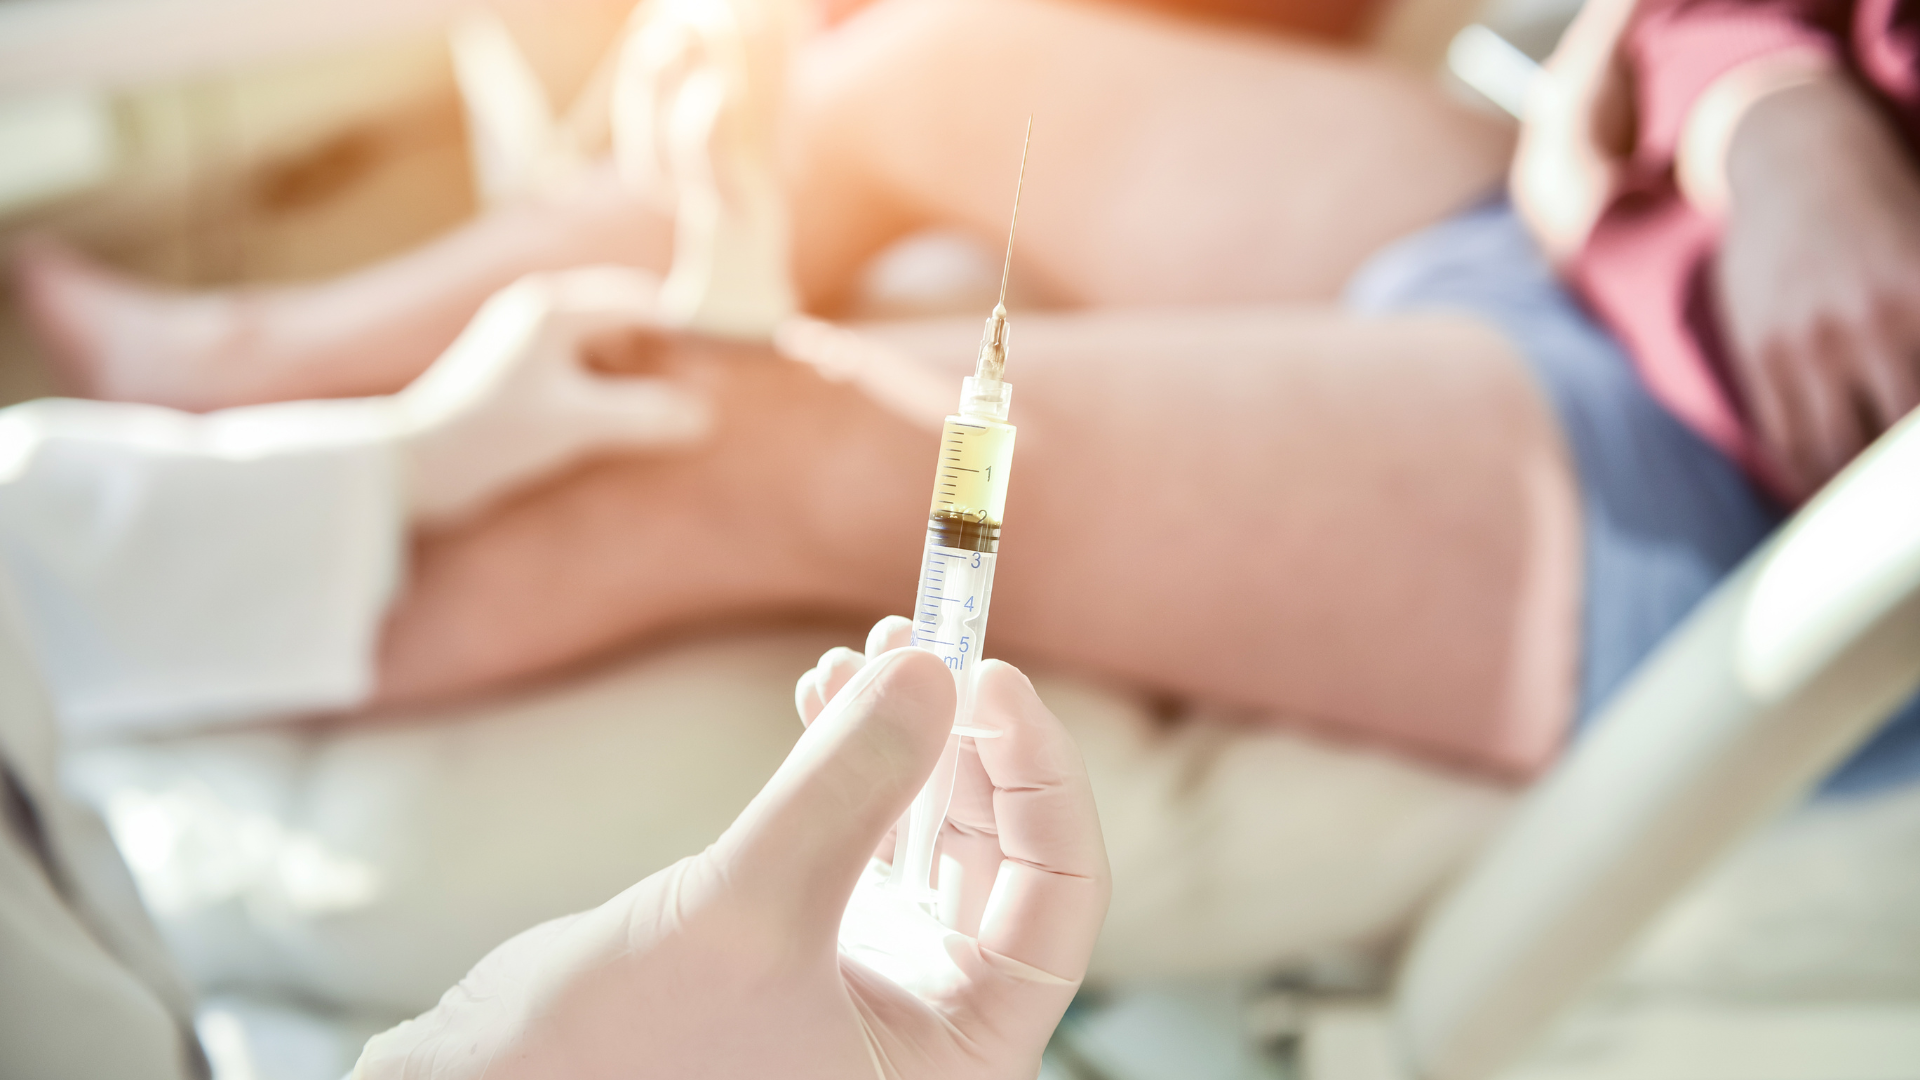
(1370, 524)
(1171, 164)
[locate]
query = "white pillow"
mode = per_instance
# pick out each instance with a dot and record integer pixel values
(368, 865)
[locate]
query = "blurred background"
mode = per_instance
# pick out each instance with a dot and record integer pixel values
(297, 141)
(209, 144)
(318, 884)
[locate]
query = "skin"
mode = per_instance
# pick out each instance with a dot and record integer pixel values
(1818, 275)
(1153, 135)
(1237, 494)
(369, 332)
(1150, 135)
(1323, 500)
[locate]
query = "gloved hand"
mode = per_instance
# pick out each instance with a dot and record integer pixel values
(511, 400)
(725, 964)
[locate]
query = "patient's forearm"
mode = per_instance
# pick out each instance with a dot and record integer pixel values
(1369, 525)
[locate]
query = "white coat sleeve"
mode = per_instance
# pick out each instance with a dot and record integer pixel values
(178, 569)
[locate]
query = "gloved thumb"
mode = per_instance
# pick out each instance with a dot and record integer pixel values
(802, 843)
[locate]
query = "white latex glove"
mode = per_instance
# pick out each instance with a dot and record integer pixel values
(725, 965)
(511, 400)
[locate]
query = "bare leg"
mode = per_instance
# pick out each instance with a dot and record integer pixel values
(368, 332)
(1369, 524)
(1173, 164)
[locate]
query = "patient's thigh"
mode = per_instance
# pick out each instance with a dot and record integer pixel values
(1173, 162)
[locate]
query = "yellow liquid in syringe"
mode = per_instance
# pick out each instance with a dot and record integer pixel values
(963, 539)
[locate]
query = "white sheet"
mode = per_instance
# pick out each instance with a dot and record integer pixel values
(368, 868)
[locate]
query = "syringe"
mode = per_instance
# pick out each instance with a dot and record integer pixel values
(956, 571)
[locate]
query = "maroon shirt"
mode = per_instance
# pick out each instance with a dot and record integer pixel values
(1645, 268)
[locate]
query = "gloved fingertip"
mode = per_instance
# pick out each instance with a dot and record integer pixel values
(806, 696)
(1007, 684)
(906, 693)
(840, 656)
(904, 698)
(911, 675)
(890, 633)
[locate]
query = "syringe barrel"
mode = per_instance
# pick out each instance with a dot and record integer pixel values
(950, 612)
(976, 454)
(963, 542)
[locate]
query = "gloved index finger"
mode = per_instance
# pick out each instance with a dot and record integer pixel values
(1051, 894)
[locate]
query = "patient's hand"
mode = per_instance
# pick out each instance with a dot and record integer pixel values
(512, 400)
(725, 965)
(1819, 276)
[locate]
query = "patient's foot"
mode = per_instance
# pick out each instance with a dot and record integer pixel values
(370, 331)
(115, 338)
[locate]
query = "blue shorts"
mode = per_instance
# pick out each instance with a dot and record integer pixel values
(1666, 515)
